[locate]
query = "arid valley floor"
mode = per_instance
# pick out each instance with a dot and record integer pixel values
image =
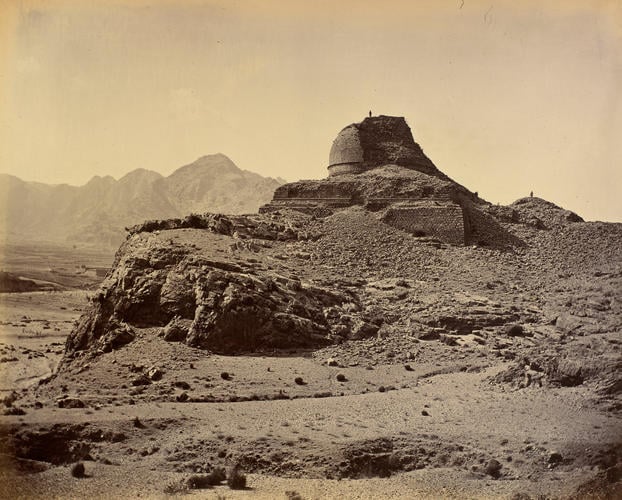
(463, 372)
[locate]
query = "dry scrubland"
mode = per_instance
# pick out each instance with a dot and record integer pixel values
(50, 266)
(379, 364)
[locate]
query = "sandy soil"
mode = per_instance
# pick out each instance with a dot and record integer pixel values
(483, 414)
(33, 329)
(303, 442)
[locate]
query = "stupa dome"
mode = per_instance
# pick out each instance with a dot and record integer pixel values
(374, 142)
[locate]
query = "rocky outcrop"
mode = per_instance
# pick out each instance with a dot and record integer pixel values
(534, 212)
(228, 287)
(214, 302)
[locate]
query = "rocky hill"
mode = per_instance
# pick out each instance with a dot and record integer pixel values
(98, 211)
(236, 284)
(214, 310)
(383, 322)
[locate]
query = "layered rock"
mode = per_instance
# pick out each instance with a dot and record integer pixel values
(214, 301)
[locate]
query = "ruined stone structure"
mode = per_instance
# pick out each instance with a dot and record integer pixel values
(445, 221)
(374, 142)
(378, 165)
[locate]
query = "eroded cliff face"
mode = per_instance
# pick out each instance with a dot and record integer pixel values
(219, 298)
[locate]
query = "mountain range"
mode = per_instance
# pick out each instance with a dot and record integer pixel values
(97, 212)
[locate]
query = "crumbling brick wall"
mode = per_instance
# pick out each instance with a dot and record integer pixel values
(444, 221)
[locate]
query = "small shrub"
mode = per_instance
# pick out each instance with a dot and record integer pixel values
(493, 468)
(176, 488)
(514, 331)
(236, 479)
(199, 482)
(11, 398)
(77, 470)
(299, 381)
(225, 376)
(341, 377)
(218, 475)
(14, 410)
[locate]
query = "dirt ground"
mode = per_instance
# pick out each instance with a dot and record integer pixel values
(445, 413)
(33, 329)
(424, 408)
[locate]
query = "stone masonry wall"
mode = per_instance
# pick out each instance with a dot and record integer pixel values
(444, 221)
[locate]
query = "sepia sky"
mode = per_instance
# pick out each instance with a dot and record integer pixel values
(505, 97)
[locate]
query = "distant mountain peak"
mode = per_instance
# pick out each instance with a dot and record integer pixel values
(98, 211)
(215, 163)
(141, 174)
(98, 179)
(214, 156)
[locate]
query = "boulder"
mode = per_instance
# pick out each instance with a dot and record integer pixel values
(70, 402)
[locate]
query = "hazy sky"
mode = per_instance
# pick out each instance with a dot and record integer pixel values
(504, 97)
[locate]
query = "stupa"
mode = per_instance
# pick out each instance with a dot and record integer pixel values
(374, 142)
(377, 164)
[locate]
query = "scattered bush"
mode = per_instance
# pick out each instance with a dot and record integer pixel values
(218, 475)
(11, 398)
(176, 488)
(225, 376)
(202, 481)
(341, 377)
(299, 381)
(14, 410)
(514, 331)
(324, 394)
(236, 479)
(77, 470)
(199, 482)
(493, 468)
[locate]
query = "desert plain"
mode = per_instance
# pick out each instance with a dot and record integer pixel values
(475, 371)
